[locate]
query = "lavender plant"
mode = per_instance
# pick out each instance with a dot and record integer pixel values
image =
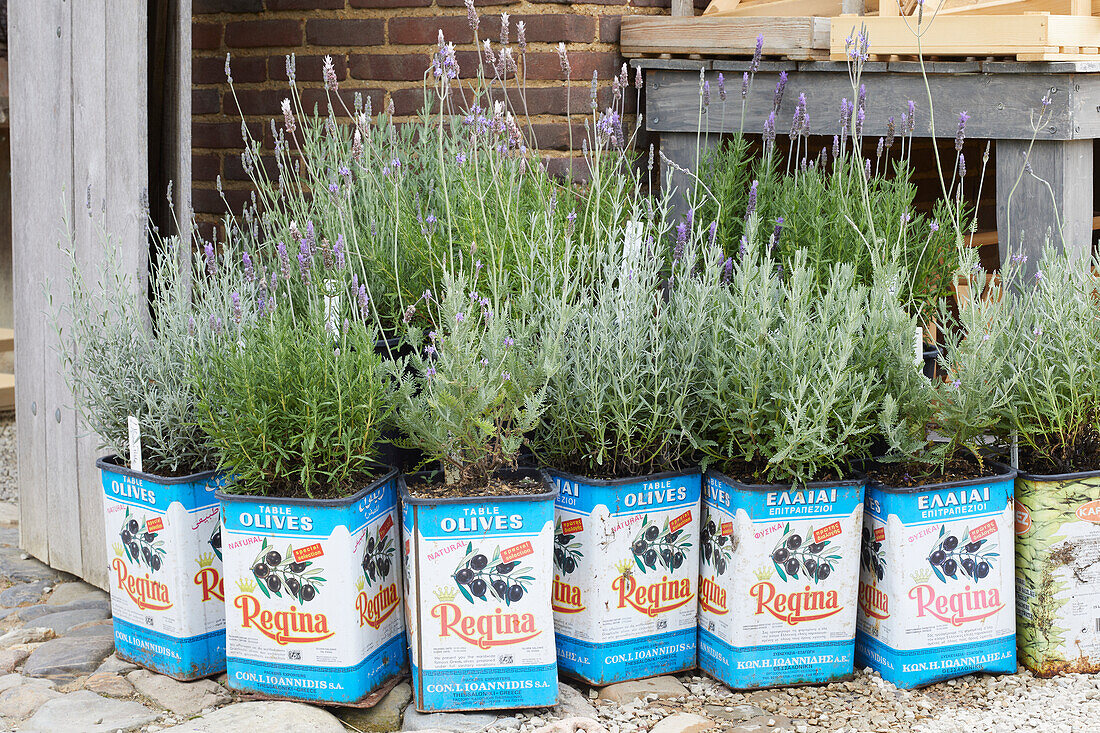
(293, 397)
(123, 356)
(475, 384)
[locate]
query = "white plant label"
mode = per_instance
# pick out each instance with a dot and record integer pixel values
(134, 427)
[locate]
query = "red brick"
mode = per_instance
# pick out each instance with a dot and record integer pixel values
(205, 7)
(390, 67)
(318, 99)
(205, 167)
(221, 134)
(204, 102)
(546, 65)
(206, 36)
(305, 4)
(253, 101)
(346, 32)
(555, 135)
(233, 169)
(561, 167)
(480, 3)
(306, 68)
(378, 4)
(207, 70)
(263, 33)
(208, 201)
(456, 28)
(609, 28)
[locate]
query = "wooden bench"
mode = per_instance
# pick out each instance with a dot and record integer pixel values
(7, 381)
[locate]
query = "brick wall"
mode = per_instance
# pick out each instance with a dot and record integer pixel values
(381, 49)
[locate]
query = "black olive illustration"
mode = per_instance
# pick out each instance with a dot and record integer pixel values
(652, 533)
(293, 584)
(968, 565)
(274, 558)
(666, 555)
(565, 539)
(260, 569)
(650, 557)
(810, 564)
(146, 555)
(879, 571)
(515, 593)
(308, 592)
(791, 567)
(720, 566)
(937, 557)
(972, 546)
(501, 588)
(477, 587)
(370, 567)
(297, 567)
(570, 565)
(506, 567)
(156, 562)
(781, 555)
(384, 567)
(949, 566)
(823, 572)
(677, 560)
(865, 557)
(370, 544)
(126, 536)
(133, 547)
(983, 569)
(478, 562)
(216, 540)
(950, 542)
(273, 583)
(132, 525)
(722, 539)
(559, 555)
(816, 547)
(364, 563)
(876, 546)
(464, 576)
(638, 547)
(706, 551)
(148, 537)
(794, 541)
(866, 534)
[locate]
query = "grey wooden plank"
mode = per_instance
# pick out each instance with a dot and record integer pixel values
(1084, 91)
(1040, 67)
(1000, 106)
(1028, 213)
(691, 64)
(40, 54)
(680, 152)
(935, 67)
(181, 99)
(742, 65)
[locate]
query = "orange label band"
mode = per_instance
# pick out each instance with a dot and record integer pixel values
(680, 521)
(983, 530)
(880, 534)
(386, 526)
(155, 524)
(514, 553)
(727, 528)
(308, 552)
(571, 526)
(832, 530)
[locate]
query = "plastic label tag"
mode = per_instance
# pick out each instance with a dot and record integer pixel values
(135, 443)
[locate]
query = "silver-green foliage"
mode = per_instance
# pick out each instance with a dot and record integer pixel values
(792, 375)
(1056, 400)
(123, 355)
(293, 397)
(631, 359)
(475, 384)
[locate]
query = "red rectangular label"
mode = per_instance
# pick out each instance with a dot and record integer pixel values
(385, 526)
(727, 528)
(832, 530)
(514, 553)
(155, 524)
(983, 530)
(680, 521)
(308, 552)
(880, 534)
(571, 526)
(407, 547)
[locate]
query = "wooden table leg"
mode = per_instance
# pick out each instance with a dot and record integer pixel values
(1029, 214)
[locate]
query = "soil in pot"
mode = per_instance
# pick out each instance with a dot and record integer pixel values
(479, 576)
(778, 568)
(1058, 572)
(626, 563)
(164, 549)
(314, 590)
(936, 591)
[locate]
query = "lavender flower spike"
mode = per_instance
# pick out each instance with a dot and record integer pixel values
(721, 87)
(769, 128)
(780, 87)
(304, 260)
(284, 260)
(745, 85)
(471, 15)
(706, 94)
(960, 135)
(750, 208)
(208, 253)
(755, 66)
(249, 270)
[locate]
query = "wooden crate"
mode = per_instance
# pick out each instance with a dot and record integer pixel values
(803, 38)
(1029, 37)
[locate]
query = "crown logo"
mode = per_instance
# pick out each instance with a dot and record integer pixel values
(625, 568)
(445, 594)
(763, 573)
(921, 576)
(246, 585)
(119, 552)
(359, 583)
(205, 560)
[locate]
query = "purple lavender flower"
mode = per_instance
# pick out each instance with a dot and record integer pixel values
(769, 128)
(727, 270)
(706, 95)
(962, 166)
(712, 234)
(460, 317)
(311, 238)
(333, 188)
(890, 132)
(570, 221)
(460, 158)
(506, 376)
(721, 87)
(867, 169)
(191, 326)
(485, 362)
(934, 226)
(743, 249)
(364, 301)
(430, 372)
(235, 297)
(304, 260)
(429, 350)
(750, 208)
(509, 341)
(744, 86)
(284, 260)
(409, 313)
(504, 29)
(780, 87)
(1038, 275)
(215, 323)
(912, 118)
(521, 36)
(681, 240)
(776, 233)
(249, 271)
(755, 65)
(879, 149)
(861, 98)
(338, 251)
(836, 146)
(638, 78)
(860, 116)
(208, 253)
(960, 134)
(563, 59)
(471, 15)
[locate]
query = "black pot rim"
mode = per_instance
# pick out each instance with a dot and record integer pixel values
(111, 463)
(297, 501)
(1007, 473)
(551, 493)
(625, 480)
(1020, 473)
(860, 480)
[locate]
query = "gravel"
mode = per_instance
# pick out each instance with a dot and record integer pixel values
(9, 471)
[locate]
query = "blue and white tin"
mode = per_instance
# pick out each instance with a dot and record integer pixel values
(314, 594)
(165, 570)
(626, 561)
(479, 577)
(778, 568)
(936, 592)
